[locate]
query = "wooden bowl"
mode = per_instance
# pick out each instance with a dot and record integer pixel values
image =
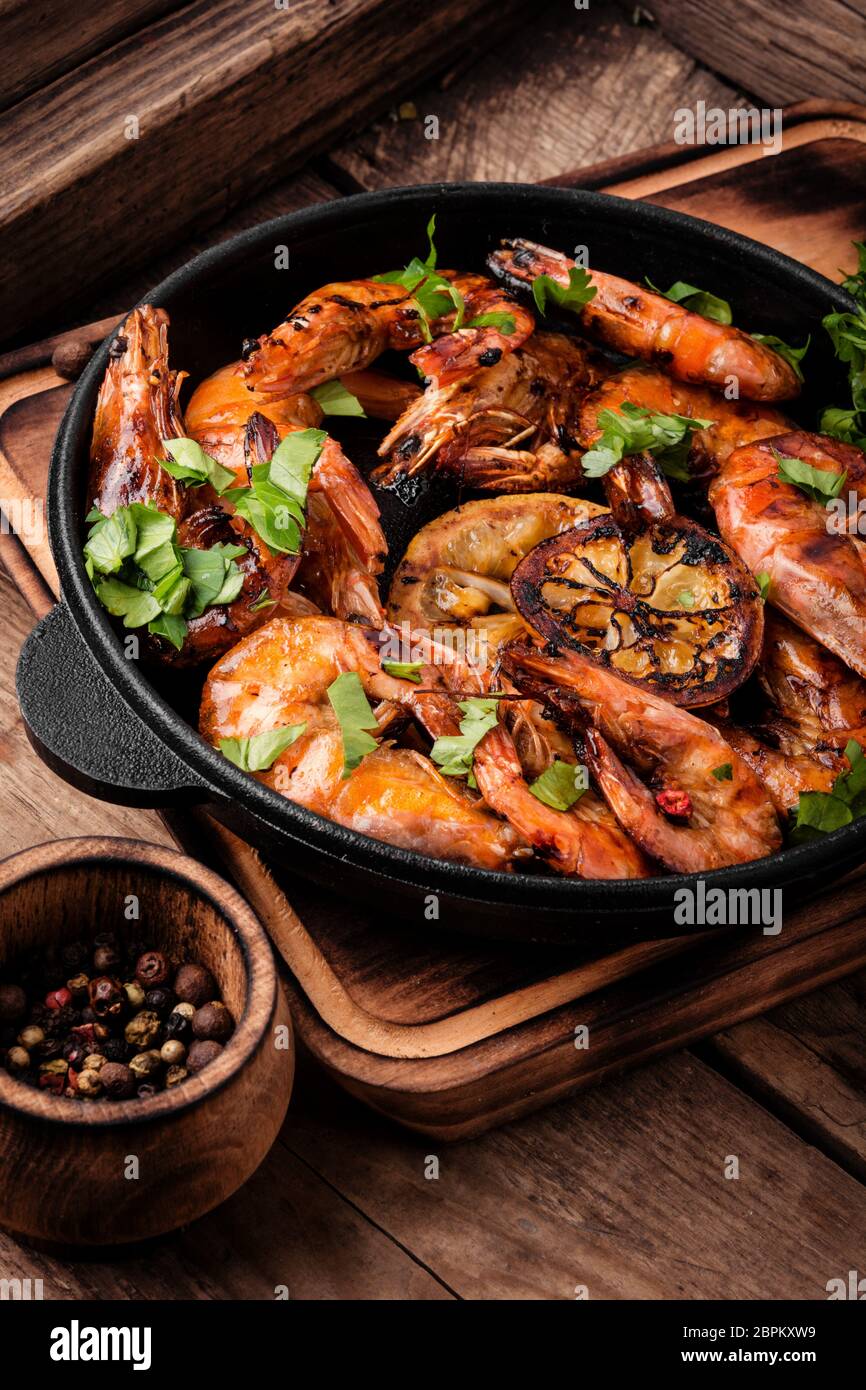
(65, 1165)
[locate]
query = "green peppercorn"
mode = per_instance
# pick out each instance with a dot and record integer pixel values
(77, 987)
(13, 1003)
(201, 1053)
(142, 1030)
(185, 1010)
(118, 1082)
(175, 1075)
(134, 993)
(194, 984)
(89, 1084)
(17, 1059)
(212, 1022)
(31, 1037)
(58, 1066)
(173, 1053)
(94, 1061)
(145, 1065)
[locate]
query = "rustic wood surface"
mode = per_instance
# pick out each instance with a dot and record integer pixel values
(620, 1189)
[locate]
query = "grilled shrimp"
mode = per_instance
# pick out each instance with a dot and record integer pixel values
(734, 422)
(817, 576)
(474, 426)
(584, 841)
(344, 327)
(687, 818)
(785, 775)
(813, 691)
(457, 570)
(136, 409)
(279, 676)
(220, 408)
(639, 323)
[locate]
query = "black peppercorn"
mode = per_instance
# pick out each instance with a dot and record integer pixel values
(178, 1026)
(151, 969)
(195, 985)
(13, 1003)
(212, 1022)
(115, 1050)
(75, 1052)
(159, 1001)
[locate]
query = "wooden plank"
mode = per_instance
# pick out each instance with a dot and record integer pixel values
(576, 87)
(286, 1227)
(175, 126)
(36, 53)
(622, 1190)
(805, 1060)
(781, 52)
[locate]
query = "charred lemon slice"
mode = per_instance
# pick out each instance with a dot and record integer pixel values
(457, 569)
(670, 607)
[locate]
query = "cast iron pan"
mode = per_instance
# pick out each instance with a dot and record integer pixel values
(126, 736)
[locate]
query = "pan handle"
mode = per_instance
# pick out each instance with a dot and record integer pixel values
(69, 708)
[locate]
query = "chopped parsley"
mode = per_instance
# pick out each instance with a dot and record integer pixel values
(792, 355)
(577, 293)
(763, 582)
(189, 463)
(697, 301)
(454, 754)
(818, 483)
(636, 430)
(274, 502)
(141, 574)
(848, 335)
(560, 785)
(724, 772)
(335, 399)
(355, 717)
(404, 670)
(432, 293)
(817, 813)
(260, 752)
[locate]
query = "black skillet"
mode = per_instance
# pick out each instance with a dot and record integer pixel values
(126, 736)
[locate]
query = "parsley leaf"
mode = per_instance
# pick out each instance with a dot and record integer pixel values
(724, 772)
(274, 502)
(848, 336)
(111, 540)
(817, 813)
(696, 300)
(856, 284)
(578, 292)
(792, 355)
(559, 785)
(189, 463)
(763, 582)
(847, 425)
(264, 600)
(355, 717)
(497, 319)
(636, 430)
(404, 670)
(259, 752)
(454, 753)
(686, 599)
(335, 399)
(817, 483)
(432, 293)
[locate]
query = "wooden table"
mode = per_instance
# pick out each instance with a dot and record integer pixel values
(626, 1190)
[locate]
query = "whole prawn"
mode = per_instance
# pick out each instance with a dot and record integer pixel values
(640, 323)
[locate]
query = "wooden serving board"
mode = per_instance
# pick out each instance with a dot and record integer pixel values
(446, 1034)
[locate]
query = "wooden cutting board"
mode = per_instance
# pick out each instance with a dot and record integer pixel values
(447, 1034)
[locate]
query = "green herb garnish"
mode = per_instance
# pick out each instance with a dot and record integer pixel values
(817, 813)
(432, 293)
(355, 717)
(848, 336)
(141, 574)
(264, 600)
(792, 355)
(335, 399)
(559, 785)
(724, 772)
(636, 430)
(454, 753)
(404, 670)
(686, 599)
(697, 301)
(577, 293)
(274, 502)
(763, 582)
(189, 463)
(498, 319)
(259, 752)
(817, 483)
